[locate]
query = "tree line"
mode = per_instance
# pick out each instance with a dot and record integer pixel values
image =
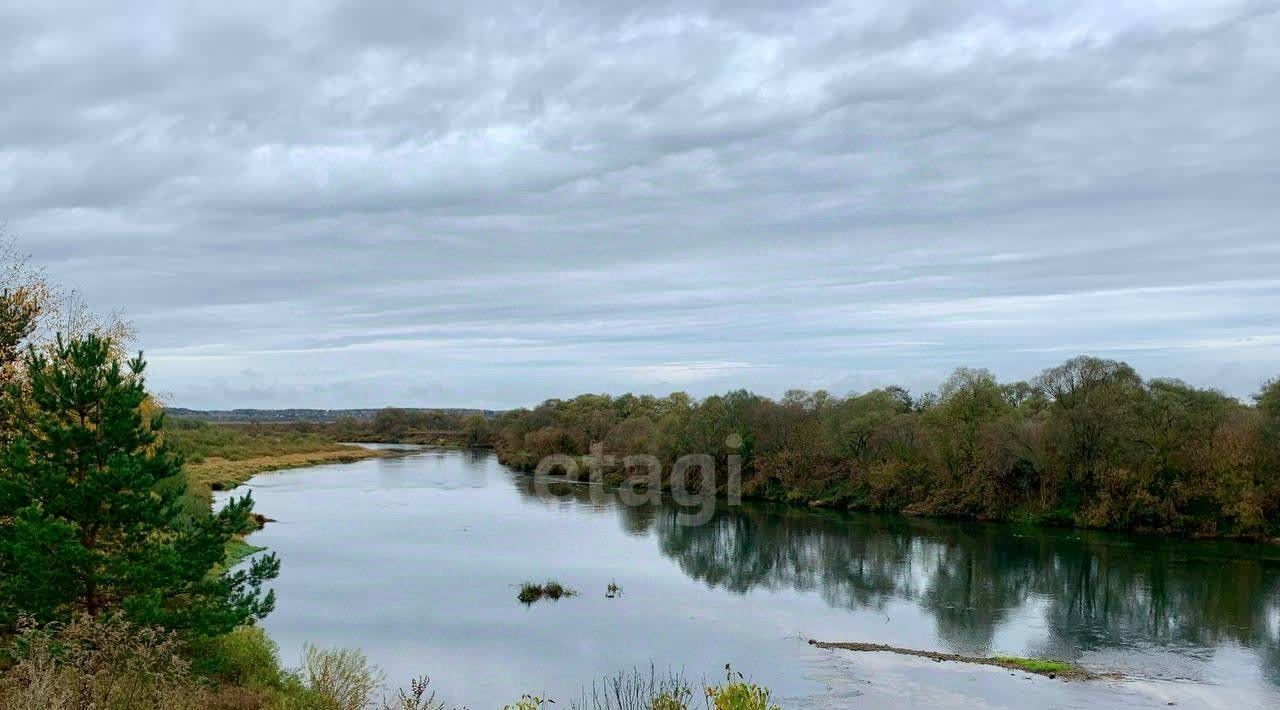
(1088, 443)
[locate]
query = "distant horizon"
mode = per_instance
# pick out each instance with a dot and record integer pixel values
(1245, 398)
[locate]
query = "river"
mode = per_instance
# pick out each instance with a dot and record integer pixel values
(416, 560)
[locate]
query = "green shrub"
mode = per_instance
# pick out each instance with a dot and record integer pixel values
(737, 694)
(245, 657)
(233, 697)
(294, 694)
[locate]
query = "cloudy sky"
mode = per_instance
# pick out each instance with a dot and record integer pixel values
(365, 203)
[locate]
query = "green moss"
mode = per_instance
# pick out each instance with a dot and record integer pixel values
(1040, 666)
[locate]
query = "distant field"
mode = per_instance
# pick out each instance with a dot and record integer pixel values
(222, 456)
(314, 416)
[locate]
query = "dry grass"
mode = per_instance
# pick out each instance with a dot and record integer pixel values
(109, 664)
(104, 664)
(222, 456)
(217, 474)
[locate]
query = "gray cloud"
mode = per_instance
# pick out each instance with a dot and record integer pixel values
(363, 203)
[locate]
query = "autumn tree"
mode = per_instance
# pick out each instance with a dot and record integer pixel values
(477, 431)
(1093, 404)
(1269, 399)
(856, 421)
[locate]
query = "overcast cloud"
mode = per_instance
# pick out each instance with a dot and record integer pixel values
(486, 204)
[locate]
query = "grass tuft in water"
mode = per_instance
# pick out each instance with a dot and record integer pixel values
(531, 592)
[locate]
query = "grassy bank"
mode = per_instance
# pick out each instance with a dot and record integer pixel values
(217, 474)
(223, 456)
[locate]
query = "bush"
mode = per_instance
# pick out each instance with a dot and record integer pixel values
(294, 694)
(737, 694)
(231, 697)
(342, 677)
(244, 657)
(104, 663)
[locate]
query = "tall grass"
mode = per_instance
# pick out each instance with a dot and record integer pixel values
(109, 664)
(102, 664)
(222, 456)
(637, 690)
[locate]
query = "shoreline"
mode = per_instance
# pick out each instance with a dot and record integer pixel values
(1075, 680)
(216, 474)
(835, 504)
(353, 451)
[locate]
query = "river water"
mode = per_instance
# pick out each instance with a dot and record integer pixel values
(416, 560)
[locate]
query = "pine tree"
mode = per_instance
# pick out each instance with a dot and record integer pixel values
(91, 514)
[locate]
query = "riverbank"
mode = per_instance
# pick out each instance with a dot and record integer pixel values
(222, 456)
(219, 474)
(840, 497)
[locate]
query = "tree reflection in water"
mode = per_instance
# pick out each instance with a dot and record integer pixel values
(1098, 591)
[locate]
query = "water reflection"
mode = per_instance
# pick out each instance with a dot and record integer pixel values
(1085, 591)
